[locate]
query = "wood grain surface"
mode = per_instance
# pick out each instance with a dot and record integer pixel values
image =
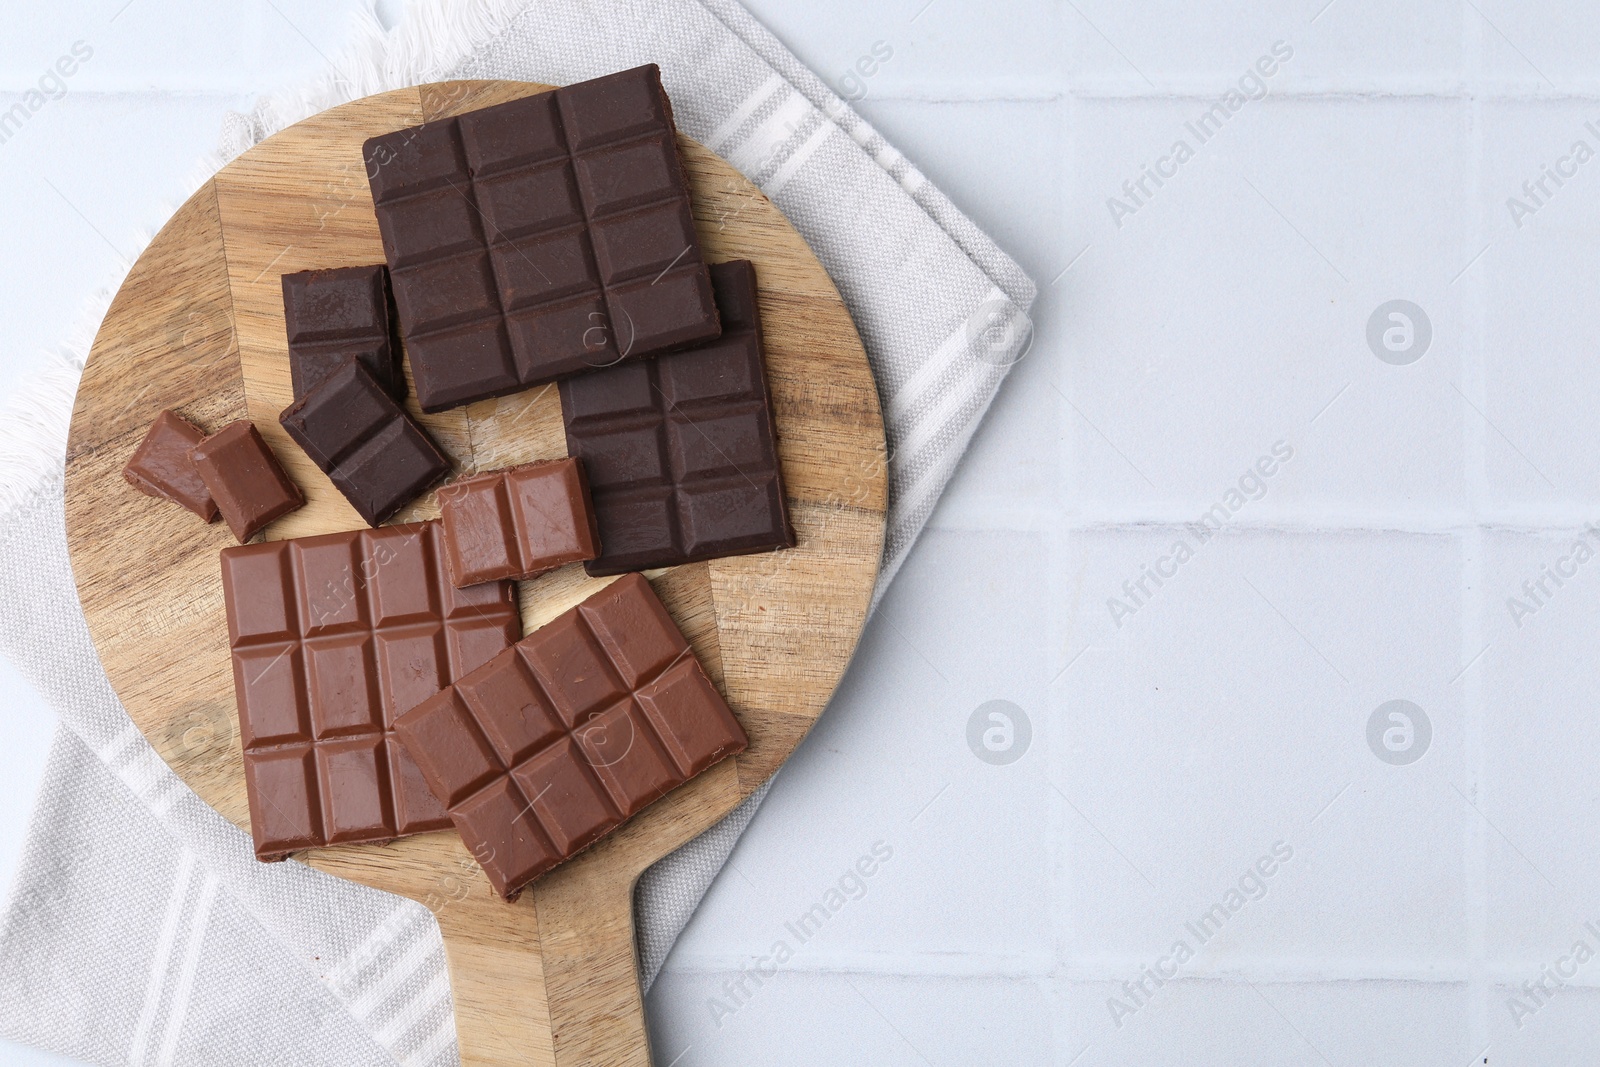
(198, 327)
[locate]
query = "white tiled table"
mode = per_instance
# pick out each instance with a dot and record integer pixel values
(1227, 715)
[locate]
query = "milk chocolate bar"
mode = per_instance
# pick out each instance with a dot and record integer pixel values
(680, 450)
(245, 478)
(345, 311)
(375, 453)
(556, 741)
(333, 638)
(540, 238)
(163, 465)
(517, 523)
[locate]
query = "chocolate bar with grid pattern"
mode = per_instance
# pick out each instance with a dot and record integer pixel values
(517, 523)
(560, 739)
(333, 638)
(339, 312)
(540, 238)
(680, 450)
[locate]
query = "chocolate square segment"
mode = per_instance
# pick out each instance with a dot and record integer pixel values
(560, 739)
(540, 238)
(680, 450)
(334, 637)
(163, 466)
(345, 311)
(517, 523)
(246, 480)
(374, 452)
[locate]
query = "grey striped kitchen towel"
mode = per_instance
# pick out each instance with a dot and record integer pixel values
(140, 922)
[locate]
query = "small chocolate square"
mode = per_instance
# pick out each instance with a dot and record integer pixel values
(246, 480)
(163, 466)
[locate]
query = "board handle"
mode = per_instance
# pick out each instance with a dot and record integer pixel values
(551, 980)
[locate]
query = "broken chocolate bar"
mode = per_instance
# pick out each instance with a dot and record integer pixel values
(333, 638)
(344, 311)
(375, 453)
(680, 450)
(558, 740)
(517, 523)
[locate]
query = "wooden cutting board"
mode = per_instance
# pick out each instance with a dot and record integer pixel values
(198, 326)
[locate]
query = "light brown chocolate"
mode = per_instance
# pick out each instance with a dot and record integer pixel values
(517, 523)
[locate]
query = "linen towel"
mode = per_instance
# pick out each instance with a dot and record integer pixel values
(140, 921)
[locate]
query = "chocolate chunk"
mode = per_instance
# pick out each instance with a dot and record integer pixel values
(374, 452)
(245, 478)
(346, 311)
(680, 450)
(540, 238)
(163, 466)
(558, 740)
(517, 523)
(333, 638)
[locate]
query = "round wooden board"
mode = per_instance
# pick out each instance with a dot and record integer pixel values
(198, 326)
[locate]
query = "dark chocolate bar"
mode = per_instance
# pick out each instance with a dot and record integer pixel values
(561, 738)
(163, 466)
(540, 238)
(680, 450)
(246, 480)
(517, 523)
(345, 311)
(374, 452)
(334, 637)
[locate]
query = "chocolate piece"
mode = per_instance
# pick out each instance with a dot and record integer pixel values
(539, 238)
(334, 637)
(517, 523)
(558, 740)
(245, 478)
(376, 455)
(163, 467)
(680, 450)
(346, 311)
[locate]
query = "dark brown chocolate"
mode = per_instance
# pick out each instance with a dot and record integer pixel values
(345, 311)
(517, 523)
(245, 479)
(680, 450)
(333, 638)
(163, 465)
(375, 453)
(557, 741)
(540, 238)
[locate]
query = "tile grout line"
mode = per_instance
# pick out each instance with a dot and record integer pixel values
(1109, 968)
(1065, 1025)
(1473, 372)
(1025, 519)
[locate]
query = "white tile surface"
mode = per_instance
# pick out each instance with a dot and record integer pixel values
(1186, 1022)
(801, 1019)
(1536, 780)
(1228, 714)
(1535, 302)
